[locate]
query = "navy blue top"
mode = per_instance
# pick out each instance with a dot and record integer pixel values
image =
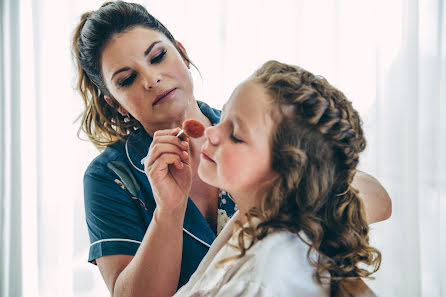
(119, 203)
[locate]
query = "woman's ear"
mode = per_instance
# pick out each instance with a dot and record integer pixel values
(109, 101)
(116, 105)
(184, 53)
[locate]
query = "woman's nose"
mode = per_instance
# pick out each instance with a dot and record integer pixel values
(212, 134)
(152, 79)
(152, 84)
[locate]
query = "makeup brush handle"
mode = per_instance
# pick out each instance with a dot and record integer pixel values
(181, 134)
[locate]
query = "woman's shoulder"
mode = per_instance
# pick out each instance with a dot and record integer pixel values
(114, 152)
(211, 113)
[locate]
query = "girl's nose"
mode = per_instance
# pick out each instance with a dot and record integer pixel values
(212, 134)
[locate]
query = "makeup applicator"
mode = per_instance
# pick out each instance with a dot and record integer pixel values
(191, 128)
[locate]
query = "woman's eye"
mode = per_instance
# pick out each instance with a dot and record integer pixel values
(235, 139)
(158, 58)
(127, 81)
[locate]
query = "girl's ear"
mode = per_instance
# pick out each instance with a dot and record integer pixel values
(184, 53)
(116, 106)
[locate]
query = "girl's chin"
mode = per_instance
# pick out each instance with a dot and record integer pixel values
(206, 179)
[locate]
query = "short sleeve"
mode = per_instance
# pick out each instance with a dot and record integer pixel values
(115, 222)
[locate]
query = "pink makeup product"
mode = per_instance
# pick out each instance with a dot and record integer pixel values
(192, 128)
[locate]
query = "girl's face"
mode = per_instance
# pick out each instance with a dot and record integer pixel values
(236, 156)
(148, 77)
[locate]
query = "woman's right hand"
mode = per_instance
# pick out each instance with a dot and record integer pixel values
(169, 170)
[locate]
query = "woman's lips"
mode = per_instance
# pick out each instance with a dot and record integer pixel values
(164, 96)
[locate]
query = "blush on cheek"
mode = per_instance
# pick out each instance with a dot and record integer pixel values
(230, 169)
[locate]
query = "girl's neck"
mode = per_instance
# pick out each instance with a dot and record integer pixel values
(245, 202)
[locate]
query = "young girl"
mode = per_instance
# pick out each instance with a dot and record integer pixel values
(286, 149)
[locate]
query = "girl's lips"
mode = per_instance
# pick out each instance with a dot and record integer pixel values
(164, 96)
(206, 157)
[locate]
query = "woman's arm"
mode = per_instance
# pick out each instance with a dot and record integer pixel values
(377, 203)
(155, 268)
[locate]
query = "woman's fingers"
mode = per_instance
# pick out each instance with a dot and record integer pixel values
(182, 144)
(164, 141)
(160, 167)
(162, 148)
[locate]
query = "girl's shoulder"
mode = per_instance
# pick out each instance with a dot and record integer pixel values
(281, 265)
(282, 244)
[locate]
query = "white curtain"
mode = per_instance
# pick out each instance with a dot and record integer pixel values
(10, 144)
(388, 57)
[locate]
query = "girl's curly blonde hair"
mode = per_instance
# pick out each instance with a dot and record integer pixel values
(315, 151)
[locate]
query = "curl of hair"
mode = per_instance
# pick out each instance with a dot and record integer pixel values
(102, 123)
(316, 146)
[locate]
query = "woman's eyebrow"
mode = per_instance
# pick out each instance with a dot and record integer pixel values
(146, 52)
(151, 47)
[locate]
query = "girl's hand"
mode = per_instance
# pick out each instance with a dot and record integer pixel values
(168, 169)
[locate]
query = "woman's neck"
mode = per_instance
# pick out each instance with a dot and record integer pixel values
(192, 111)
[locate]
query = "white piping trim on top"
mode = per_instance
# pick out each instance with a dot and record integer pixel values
(196, 238)
(128, 157)
(115, 239)
(139, 242)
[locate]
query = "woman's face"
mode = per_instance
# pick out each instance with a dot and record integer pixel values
(148, 77)
(237, 153)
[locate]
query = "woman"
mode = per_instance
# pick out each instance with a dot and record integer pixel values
(134, 80)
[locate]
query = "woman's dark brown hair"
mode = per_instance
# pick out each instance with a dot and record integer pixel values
(102, 123)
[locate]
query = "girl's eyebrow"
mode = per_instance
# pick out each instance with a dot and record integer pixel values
(239, 121)
(241, 124)
(146, 52)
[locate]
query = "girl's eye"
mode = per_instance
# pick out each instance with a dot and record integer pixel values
(127, 81)
(159, 58)
(235, 139)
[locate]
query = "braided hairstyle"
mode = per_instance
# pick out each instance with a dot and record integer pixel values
(102, 123)
(315, 151)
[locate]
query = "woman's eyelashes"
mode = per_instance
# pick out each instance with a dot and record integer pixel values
(129, 79)
(159, 58)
